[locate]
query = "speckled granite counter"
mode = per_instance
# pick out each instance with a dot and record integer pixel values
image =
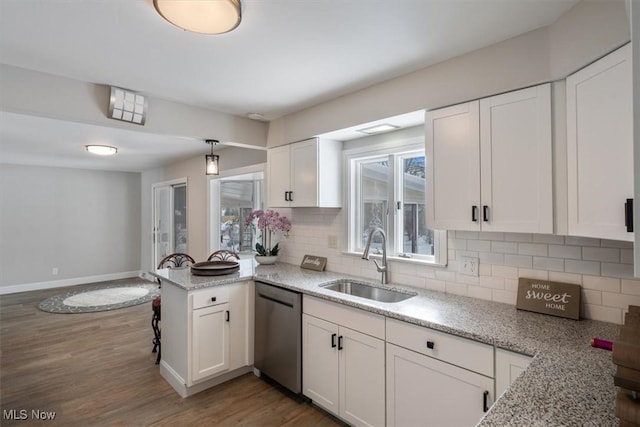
(567, 383)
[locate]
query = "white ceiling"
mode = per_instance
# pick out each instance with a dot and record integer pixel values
(286, 55)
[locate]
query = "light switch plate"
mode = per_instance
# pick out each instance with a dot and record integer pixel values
(469, 266)
(332, 241)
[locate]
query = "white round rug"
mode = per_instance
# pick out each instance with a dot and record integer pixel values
(101, 299)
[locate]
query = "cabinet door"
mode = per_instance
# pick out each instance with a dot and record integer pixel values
(209, 341)
(239, 326)
(362, 378)
(422, 391)
(304, 173)
(453, 167)
(515, 158)
(509, 366)
(600, 147)
(320, 362)
(278, 176)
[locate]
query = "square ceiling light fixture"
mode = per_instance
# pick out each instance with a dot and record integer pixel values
(384, 127)
(127, 106)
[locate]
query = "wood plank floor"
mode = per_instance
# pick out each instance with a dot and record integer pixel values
(97, 369)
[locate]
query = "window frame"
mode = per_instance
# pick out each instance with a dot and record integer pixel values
(395, 152)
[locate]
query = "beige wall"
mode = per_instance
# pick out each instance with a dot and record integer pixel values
(586, 32)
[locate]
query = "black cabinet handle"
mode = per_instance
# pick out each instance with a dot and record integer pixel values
(485, 213)
(213, 299)
(286, 196)
(431, 345)
(291, 196)
(333, 340)
(340, 342)
(628, 215)
(474, 213)
(485, 401)
(228, 315)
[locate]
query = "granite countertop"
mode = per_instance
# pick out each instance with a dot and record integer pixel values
(567, 383)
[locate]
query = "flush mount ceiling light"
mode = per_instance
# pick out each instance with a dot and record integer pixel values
(201, 16)
(101, 150)
(127, 106)
(384, 127)
(211, 160)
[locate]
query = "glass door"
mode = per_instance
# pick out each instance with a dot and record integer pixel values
(169, 219)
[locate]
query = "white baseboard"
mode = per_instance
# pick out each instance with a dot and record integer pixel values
(24, 287)
(178, 384)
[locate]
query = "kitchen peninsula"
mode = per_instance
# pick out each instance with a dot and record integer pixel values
(567, 383)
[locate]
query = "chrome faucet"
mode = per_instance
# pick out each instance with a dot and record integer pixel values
(381, 268)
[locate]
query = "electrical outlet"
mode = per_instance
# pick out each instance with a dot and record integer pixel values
(469, 266)
(54, 271)
(332, 241)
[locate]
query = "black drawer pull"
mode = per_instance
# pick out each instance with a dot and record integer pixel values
(485, 401)
(628, 215)
(213, 299)
(340, 342)
(485, 213)
(333, 340)
(474, 213)
(431, 345)
(228, 314)
(291, 196)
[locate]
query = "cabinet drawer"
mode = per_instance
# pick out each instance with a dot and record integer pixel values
(208, 297)
(462, 352)
(354, 318)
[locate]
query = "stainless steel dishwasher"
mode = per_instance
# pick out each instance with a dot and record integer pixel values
(278, 335)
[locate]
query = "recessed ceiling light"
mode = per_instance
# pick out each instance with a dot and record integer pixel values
(384, 127)
(101, 150)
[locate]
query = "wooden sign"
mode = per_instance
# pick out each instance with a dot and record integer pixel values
(312, 262)
(554, 298)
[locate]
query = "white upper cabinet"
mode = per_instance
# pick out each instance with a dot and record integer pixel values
(489, 164)
(305, 174)
(600, 147)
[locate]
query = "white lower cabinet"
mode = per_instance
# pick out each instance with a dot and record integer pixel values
(509, 366)
(210, 341)
(436, 379)
(344, 369)
(423, 391)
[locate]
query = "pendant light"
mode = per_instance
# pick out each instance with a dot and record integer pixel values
(201, 16)
(211, 160)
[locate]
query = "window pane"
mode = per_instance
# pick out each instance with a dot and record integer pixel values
(374, 178)
(236, 202)
(416, 239)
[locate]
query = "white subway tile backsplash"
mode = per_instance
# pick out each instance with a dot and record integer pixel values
(490, 235)
(533, 274)
(581, 241)
(573, 278)
(603, 267)
(582, 267)
(548, 238)
(504, 271)
(552, 264)
(617, 270)
(562, 251)
(619, 300)
(601, 254)
(507, 297)
(491, 258)
(523, 261)
(602, 313)
(479, 245)
(504, 247)
(537, 249)
(456, 288)
(626, 256)
(630, 287)
(518, 237)
(607, 284)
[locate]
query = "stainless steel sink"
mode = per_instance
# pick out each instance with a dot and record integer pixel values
(365, 290)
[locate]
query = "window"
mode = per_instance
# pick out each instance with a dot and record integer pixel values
(388, 190)
(232, 198)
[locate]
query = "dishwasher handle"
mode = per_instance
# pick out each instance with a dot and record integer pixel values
(277, 301)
